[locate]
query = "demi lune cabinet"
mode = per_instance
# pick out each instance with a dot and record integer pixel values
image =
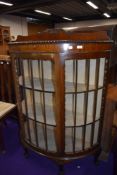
(60, 82)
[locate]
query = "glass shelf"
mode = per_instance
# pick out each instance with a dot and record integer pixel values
(49, 113)
(70, 87)
(49, 87)
(48, 84)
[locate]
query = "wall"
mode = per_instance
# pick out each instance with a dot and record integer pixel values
(35, 28)
(18, 25)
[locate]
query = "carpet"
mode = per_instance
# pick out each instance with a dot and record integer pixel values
(13, 162)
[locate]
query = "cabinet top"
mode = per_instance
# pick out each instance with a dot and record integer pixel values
(59, 41)
(60, 36)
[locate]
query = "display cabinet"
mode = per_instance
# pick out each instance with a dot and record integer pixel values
(4, 39)
(60, 83)
(6, 79)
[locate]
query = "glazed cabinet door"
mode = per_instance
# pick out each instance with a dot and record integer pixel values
(84, 91)
(36, 79)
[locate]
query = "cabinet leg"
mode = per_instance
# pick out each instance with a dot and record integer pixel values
(96, 157)
(26, 153)
(61, 170)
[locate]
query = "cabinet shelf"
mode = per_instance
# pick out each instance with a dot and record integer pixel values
(81, 88)
(48, 84)
(49, 87)
(50, 116)
(49, 113)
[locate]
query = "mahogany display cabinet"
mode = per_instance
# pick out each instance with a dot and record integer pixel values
(60, 82)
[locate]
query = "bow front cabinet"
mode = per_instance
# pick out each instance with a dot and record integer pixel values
(60, 83)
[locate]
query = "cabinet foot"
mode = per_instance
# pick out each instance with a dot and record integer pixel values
(96, 157)
(61, 170)
(26, 153)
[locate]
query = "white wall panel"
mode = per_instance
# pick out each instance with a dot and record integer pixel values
(18, 25)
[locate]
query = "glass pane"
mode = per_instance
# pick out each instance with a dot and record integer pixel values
(69, 110)
(39, 106)
(22, 68)
(78, 139)
(81, 71)
(48, 75)
(88, 136)
(96, 130)
(69, 140)
(49, 108)
(36, 74)
(47, 65)
(101, 72)
(32, 131)
(92, 73)
(35, 68)
(26, 68)
(41, 135)
(70, 113)
(29, 98)
(90, 107)
(80, 109)
(69, 76)
(27, 73)
(69, 71)
(26, 131)
(42, 75)
(99, 102)
(51, 139)
(23, 107)
(73, 69)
